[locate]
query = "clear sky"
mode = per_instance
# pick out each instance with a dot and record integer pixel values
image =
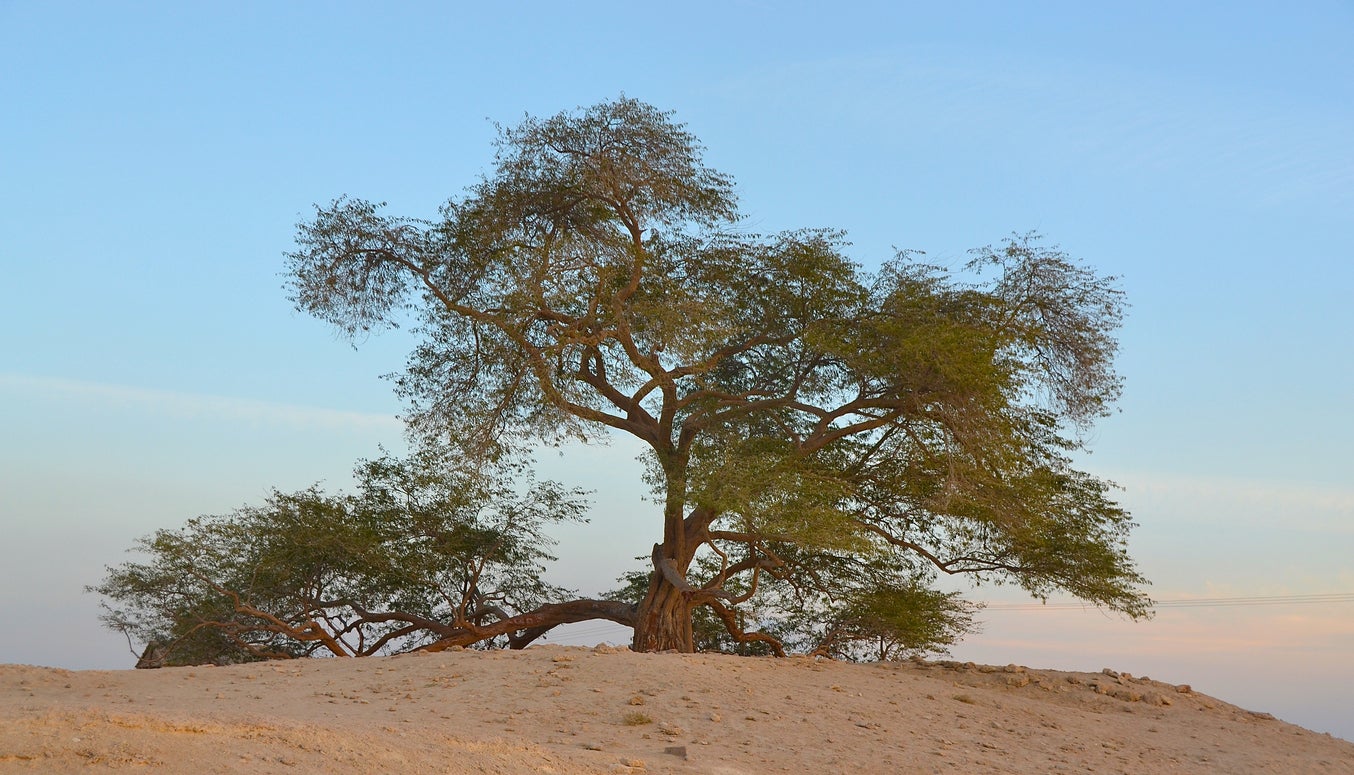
(155, 158)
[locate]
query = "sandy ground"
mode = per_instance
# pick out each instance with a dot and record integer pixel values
(558, 709)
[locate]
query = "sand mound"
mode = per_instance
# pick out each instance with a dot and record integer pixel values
(571, 710)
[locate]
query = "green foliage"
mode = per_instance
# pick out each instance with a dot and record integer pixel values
(822, 439)
(833, 605)
(893, 622)
(416, 552)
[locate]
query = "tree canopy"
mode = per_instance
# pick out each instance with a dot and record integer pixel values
(822, 440)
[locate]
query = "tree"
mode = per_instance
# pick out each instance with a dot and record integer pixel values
(808, 425)
(421, 553)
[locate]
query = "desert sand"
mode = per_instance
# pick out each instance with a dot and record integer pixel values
(556, 709)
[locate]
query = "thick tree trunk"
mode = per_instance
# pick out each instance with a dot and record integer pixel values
(663, 621)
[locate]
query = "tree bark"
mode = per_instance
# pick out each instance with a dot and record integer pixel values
(663, 622)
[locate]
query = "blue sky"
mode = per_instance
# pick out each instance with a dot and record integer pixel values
(155, 157)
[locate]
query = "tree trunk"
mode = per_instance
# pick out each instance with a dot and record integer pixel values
(663, 621)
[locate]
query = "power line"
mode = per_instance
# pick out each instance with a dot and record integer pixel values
(581, 633)
(1197, 602)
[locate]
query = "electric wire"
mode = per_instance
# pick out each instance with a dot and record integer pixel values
(612, 631)
(1195, 602)
(581, 633)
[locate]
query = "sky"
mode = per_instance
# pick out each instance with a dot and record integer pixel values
(156, 157)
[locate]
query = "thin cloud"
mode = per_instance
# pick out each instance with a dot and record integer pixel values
(1271, 154)
(1321, 630)
(1217, 498)
(200, 405)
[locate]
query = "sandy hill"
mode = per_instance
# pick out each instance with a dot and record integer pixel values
(557, 709)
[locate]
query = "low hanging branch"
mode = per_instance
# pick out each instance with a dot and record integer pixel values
(533, 624)
(731, 624)
(309, 631)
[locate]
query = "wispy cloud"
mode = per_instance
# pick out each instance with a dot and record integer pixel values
(198, 405)
(1217, 498)
(1118, 121)
(1325, 629)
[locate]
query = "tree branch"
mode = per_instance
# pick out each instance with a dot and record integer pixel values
(544, 618)
(731, 624)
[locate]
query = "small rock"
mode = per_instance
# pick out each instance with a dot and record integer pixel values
(715, 717)
(637, 700)
(867, 725)
(1183, 689)
(637, 764)
(593, 746)
(1110, 673)
(672, 730)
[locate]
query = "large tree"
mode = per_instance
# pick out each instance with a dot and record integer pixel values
(814, 431)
